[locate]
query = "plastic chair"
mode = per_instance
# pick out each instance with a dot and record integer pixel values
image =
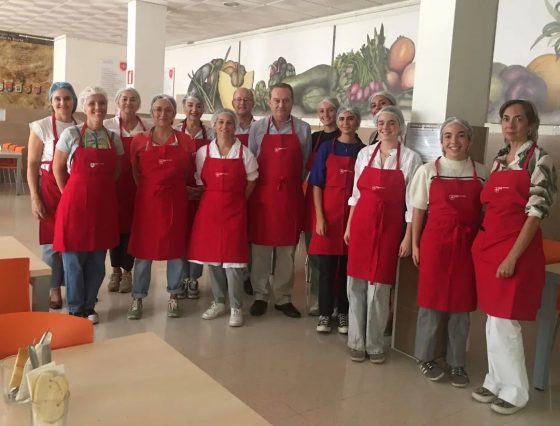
(22, 328)
(14, 285)
(547, 318)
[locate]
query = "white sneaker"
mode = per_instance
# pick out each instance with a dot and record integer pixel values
(214, 311)
(236, 318)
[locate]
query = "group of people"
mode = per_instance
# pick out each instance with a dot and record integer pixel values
(231, 197)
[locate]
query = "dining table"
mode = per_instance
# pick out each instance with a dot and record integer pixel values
(18, 156)
(137, 380)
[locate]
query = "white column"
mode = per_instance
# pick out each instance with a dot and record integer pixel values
(454, 60)
(146, 49)
(59, 58)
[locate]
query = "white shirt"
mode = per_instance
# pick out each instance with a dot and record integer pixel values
(114, 125)
(200, 134)
(410, 161)
(420, 185)
(251, 168)
(43, 129)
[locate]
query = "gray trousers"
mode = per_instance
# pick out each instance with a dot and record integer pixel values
(313, 266)
(457, 335)
(367, 315)
(143, 273)
(282, 282)
(227, 280)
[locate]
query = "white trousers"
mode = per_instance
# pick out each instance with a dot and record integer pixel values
(367, 315)
(507, 373)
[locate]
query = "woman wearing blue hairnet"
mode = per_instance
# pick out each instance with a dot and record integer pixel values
(45, 195)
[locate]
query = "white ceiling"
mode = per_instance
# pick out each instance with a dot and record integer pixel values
(187, 20)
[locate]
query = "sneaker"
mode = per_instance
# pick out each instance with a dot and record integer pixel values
(236, 318)
(135, 310)
(377, 358)
(55, 298)
(183, 286)
(214, 311)
(343, 323)
(324, 324)
(126, 282)
(357, 355)
(173, 309)
(114, 282)
(503, 407)
(192, 289)
(314, 310)
(431, 370)
(459, 377)
(92, 316)
(483, 395)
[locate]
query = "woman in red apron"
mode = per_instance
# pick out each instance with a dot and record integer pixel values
(327, 116)
(374, 233)
(162, 164)
(127, 124)
(331, 180)
(85, 226)
(228, 172)
(45, 195)
(508, 255)
(192, 127)
(450, 188)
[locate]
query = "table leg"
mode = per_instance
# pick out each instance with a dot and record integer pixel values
(40, 293)
(19, 178)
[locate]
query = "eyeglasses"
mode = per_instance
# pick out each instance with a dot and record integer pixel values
(242, 100)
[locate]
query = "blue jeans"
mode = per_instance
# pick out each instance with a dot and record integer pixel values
(54, 260)
(191, 270)
(83, 274)
(143, 273)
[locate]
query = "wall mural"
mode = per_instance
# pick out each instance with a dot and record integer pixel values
(26, 70)
(352, 77)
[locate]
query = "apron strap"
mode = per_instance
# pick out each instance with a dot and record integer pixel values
(436, 164)
(475, 175)
(377, 148)
(528, 156)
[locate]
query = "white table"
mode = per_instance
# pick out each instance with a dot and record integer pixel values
(139, 380)
(39, 271)
(18, 156)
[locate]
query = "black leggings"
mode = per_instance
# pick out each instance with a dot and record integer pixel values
(119, 255)
(332, 281)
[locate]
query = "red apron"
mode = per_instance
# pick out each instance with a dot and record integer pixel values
(309, 213)
(198, 142)
(276, 204)
(446, 278)
(519, 296)
(219, 232)
(126, 187)
(159, 225)
(85, 219)
(50, 195)
(376, 230)
(243, 138)
(338, 189)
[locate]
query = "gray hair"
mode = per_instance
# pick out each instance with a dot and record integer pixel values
(128, 89)
(331, 101)
(463, 123)
(193, 96)
(385, 94)
(355, 112)
(164, 97)
(90, 91)
(397, 113)
(223, 111)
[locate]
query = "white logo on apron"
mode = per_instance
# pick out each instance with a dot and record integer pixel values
(162, 161)
(218, 174)
(377, 188)
(94, 165)
(499, 189)
(455, 196)
(280, 148)
(342, 171)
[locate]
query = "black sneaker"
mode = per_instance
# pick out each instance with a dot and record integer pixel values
(324, 324)
(343, 323)
(431, 370)
(459, 377)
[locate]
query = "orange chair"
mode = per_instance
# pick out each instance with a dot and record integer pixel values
(22, 328)
(14, 285)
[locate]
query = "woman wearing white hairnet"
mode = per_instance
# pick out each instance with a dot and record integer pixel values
(379, 207)
(228, 171)
(45, 195)
(377, 101)
(127, 124)
(86, 223)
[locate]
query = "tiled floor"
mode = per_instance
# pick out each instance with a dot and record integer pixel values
(291, 375)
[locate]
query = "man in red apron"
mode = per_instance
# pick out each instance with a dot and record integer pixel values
(281, 144)
(449, 188)
(243, 102)
(85, 228)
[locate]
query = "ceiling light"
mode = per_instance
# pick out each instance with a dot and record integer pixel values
(231, 4)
